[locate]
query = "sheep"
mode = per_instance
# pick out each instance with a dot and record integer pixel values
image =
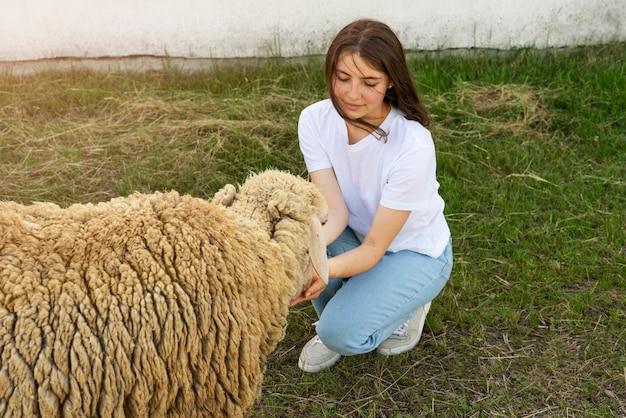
(152, 304)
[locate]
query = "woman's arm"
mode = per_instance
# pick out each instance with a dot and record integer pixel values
(387, 224)
(326, 182)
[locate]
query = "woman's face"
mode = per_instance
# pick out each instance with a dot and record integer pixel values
(360, 89)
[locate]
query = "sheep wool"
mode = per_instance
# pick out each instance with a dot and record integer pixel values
(152, 304)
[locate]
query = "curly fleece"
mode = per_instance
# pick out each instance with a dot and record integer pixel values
(150, 305)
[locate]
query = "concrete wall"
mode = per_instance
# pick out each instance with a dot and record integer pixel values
(37, 29)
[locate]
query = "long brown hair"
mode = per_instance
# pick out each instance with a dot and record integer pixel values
(376, 43)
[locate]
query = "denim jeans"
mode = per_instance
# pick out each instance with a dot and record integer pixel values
(358, 313)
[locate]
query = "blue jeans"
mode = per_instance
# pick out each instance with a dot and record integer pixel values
(357, 314)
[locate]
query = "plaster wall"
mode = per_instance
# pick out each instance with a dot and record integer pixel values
(41, 29)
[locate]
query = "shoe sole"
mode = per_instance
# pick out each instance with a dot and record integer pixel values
(404, 348)
(318, 367)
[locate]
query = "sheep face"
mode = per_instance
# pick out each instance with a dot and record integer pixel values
(291, 211)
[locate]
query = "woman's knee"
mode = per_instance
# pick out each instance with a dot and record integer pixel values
(320, 303)
(344, 243)
(341, 340)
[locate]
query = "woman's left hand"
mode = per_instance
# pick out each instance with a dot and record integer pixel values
(317, 287)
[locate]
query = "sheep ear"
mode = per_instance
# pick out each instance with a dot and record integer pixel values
(225, 196)
(317, 249)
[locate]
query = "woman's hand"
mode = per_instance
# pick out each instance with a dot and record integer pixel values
(317, 287)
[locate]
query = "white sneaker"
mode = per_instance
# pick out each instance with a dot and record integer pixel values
(406, 336)
(315, 356)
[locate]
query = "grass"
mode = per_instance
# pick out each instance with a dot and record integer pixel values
(532, 164)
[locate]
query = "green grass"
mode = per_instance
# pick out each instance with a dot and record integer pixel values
(532, 164)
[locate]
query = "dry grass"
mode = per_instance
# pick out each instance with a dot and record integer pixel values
(493, 110)
(84, 156)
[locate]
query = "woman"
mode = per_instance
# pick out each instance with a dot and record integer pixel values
(389, 246)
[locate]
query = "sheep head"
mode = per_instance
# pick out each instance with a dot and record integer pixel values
(291, 210)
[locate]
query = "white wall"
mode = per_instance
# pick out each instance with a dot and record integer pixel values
(36, 29)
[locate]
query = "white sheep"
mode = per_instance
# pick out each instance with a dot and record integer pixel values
(152, 305)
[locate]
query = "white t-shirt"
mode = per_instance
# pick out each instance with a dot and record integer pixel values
(398, 174)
